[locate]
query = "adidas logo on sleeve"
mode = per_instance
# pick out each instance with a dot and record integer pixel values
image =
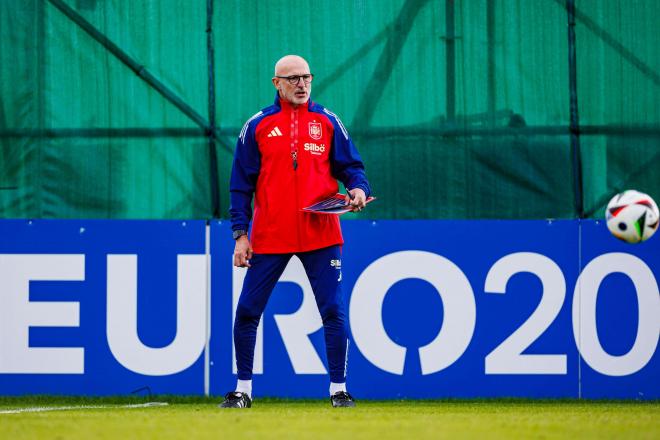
(275, 132)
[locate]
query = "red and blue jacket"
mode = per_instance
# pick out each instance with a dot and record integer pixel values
(290, 158)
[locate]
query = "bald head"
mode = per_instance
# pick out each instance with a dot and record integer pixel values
(292, 79)
(289, 63)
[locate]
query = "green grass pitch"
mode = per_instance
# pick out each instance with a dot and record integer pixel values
(200, 418)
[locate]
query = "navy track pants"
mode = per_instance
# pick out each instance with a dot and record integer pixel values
(323, 269)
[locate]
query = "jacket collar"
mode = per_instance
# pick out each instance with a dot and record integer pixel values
(279, 102)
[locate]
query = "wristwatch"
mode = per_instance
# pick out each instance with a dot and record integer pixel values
(238, 233)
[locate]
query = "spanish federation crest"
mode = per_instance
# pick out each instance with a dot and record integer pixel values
(315, 130)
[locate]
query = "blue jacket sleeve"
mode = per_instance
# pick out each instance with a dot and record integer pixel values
(244, 174)
(345, 160)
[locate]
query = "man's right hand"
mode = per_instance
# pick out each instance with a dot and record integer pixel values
(242, 252)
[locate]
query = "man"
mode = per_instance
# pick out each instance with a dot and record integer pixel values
(289, 156)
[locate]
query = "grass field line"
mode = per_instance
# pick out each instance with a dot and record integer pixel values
(77, 407)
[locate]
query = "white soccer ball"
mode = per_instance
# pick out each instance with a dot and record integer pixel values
(632, 216)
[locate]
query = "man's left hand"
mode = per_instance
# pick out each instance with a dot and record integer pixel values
(359, 200)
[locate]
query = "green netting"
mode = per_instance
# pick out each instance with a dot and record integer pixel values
(619, 90)
(459, 109)
(66, 81)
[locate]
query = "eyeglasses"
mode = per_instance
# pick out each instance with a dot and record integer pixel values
(294, 79)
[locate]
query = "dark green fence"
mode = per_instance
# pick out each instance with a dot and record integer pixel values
(461, 109)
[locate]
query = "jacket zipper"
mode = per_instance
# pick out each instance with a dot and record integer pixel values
(294, 157)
